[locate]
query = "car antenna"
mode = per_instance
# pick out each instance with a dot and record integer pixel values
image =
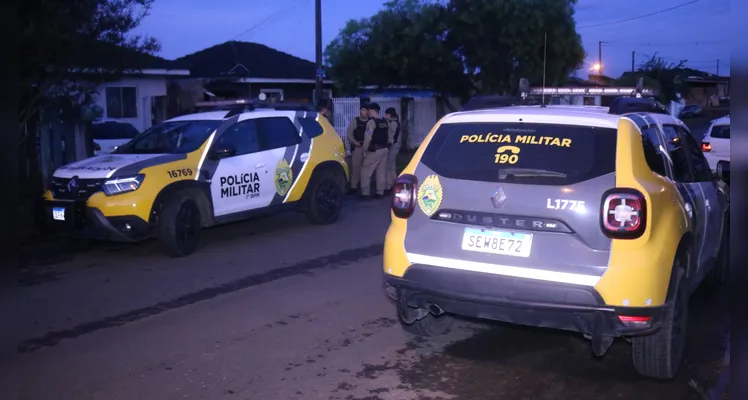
(545, 53)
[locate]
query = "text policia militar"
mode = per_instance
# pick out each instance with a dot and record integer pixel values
(510, 154)
(247, 184)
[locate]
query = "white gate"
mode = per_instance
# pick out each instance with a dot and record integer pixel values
(347, 108)
(424, 118)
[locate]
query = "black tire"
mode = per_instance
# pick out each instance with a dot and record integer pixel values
(324, 201)
(720, 272)
(428, 326)
(179, 225)
(660, 355)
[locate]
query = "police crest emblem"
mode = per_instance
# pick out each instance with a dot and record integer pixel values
(283, 177)
(430, 195)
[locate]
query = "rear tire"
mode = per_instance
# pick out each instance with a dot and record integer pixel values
(325, 199)
(179, 225)
(428, 326)
(660, 355)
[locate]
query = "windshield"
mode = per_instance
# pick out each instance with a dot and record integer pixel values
(113, 131)
(177, 137)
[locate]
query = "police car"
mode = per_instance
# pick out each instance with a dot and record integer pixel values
(596, 220)
(234, 161)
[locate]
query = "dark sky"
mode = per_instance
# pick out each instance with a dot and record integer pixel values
(693, 30)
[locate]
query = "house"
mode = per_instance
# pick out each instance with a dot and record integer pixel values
(236, 69)
(139, 95)
(708, 90)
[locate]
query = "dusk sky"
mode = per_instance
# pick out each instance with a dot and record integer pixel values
(695, 30)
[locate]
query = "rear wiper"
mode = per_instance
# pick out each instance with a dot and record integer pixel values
(531, 172)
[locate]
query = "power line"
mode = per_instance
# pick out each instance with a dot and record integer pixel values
(266, 19)
(665, 44)
(641, 16)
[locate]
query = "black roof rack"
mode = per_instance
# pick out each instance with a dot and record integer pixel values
(626, 105)
(496, 101)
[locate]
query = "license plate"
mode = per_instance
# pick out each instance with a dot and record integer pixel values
(58, 213)
(497, 242)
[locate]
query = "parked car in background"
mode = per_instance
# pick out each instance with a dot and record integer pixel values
(716, 142)
(691, 111)
(109, 135)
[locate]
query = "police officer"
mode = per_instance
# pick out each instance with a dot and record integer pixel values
(355, 134)
(391, 116)
(376, 143)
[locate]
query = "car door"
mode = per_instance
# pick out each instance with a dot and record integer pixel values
(705, 179)
(690, 189)
(279, 142)
(239, 180)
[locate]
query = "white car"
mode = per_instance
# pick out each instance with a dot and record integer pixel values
(108, 135)
(716, 142)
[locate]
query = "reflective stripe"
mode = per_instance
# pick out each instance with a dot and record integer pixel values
(516, 272)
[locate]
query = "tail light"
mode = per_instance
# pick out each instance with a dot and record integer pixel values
(635, 321)
(404, 196)
(706, 147)
(624, 213)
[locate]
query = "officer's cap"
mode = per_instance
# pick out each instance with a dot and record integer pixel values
(374, 106)
(391, 111)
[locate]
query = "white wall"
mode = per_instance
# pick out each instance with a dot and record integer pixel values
(146, 88)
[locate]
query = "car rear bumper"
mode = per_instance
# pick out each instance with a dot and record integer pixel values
(90, 222)
(713, 159)
(519, 301)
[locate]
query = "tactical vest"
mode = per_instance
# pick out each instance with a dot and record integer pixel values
(379, 138)
(397, 132)
(360, 130)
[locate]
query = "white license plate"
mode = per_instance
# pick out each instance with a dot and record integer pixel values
(58, 213)
(497, 242)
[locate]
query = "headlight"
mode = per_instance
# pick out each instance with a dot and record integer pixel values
(122, 185)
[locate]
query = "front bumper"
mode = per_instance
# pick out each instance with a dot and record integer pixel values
(519, 301)
(76, 218)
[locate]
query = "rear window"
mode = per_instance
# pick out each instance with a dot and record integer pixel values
(113, 131)
(525, 153)
(311, 127)
(721, 132)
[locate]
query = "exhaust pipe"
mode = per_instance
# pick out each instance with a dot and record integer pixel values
(436, 310)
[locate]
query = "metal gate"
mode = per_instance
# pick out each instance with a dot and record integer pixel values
(424, 118)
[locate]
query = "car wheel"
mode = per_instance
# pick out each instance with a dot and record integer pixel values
(721, 270)
(660, 355)
(427, 326)
(179, 225)
(325, 199)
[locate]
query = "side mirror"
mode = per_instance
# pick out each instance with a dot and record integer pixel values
(723, 171)
(222, 150)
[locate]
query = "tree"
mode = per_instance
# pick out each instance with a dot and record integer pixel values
(450, 47)
(666, 76)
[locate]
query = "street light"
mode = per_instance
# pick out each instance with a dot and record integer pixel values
(596, 67)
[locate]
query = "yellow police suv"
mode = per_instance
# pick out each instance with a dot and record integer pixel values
(596, 220)
(199, 170)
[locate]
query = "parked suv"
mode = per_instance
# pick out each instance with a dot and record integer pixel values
(577, 218)
(716, 142)
(200, 170)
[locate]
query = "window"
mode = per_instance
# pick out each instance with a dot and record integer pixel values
(276, 132)
(311, 127)
(720, 132)
(243, 136)
(113, 131)
(121, 102)
(678, 154)
(273, 95)
(539, 154)
(701, 170)
(652, 144)
(178, 137)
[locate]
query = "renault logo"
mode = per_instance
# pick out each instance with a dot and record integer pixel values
(73, 184)
(499, 197)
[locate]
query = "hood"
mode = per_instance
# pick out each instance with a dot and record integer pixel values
(107, 165)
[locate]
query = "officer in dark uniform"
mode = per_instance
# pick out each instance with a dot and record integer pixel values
(376, 146)
(355, 135)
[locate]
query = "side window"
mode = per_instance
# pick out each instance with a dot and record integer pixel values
(243, 136)
(311, 127)
(678, 154)
(700, 166)
(276, 132)
(651, 143)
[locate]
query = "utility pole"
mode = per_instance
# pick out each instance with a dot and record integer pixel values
(633, 61)
(318, 52)
(600, 56)
(717, 67)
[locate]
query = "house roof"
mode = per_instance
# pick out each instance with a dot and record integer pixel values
(246, 60)
(109, 56)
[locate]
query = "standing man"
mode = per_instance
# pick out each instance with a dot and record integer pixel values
(355, 134)
(376, 142)
(323, 109)
(391, 116)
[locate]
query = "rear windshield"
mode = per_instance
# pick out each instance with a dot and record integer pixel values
(721, 132)
(113, 130)
(525, 153)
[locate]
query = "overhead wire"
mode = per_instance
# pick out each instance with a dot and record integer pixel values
(640, 16)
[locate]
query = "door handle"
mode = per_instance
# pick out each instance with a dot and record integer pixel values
(260, 165)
